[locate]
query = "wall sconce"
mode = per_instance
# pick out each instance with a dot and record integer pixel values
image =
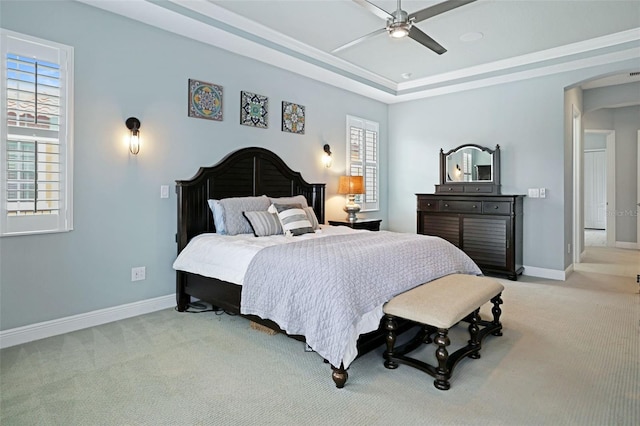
(351, 186)
(133, 124)
(326, 159)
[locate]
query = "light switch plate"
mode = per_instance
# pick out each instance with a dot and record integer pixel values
(164, 191)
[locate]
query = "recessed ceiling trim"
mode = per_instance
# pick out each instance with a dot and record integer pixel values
(166, 19)
(522, 75)
(244, 25)
(216, 26)
(533, 58)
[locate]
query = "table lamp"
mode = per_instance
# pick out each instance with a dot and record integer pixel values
(351, 186)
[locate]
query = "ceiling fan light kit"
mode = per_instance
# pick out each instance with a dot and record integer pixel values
(400, 24)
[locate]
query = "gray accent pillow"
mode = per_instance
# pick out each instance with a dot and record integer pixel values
(297, 199)
(293, 219)
(228, 212)
(263, 223)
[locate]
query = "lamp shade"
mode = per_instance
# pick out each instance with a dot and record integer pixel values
(351, 185)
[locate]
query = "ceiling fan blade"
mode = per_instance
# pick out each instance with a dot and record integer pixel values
(437, 9)
(425, 40)
(359, 40)
(381, 13)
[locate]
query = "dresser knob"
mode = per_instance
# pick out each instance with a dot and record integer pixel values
(474, 206)
(477, 189)
(495, 207)
(450, 189)
(428, 204)
(446, 205)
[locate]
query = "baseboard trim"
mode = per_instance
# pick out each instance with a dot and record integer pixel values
(29, 333)
(626, 245)
(552, 274)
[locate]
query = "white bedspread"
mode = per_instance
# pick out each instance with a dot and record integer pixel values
(226, 257)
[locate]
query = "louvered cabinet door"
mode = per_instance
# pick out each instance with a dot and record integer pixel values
(446, 227)
(486, 240)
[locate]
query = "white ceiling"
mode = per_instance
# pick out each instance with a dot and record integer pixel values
(520, 39)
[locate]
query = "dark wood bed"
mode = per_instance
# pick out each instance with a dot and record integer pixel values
(245, 172)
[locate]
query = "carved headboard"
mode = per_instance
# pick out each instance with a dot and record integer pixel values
(245, 172)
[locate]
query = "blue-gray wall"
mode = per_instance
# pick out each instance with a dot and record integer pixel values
(529, 120)
(124, 68)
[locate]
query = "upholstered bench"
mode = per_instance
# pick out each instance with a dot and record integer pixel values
(438, 306)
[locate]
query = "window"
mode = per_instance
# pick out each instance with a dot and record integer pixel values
(467, 161)
(362, 158)
(36, 148)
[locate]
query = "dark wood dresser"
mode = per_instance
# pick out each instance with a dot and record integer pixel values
(486, 227)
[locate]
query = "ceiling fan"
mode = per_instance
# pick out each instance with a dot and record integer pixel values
(400, 23)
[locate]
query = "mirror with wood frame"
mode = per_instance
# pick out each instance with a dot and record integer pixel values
(470, 168)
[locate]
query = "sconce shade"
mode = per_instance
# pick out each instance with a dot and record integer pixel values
(326, 159)
(133, 124)
(351, 185)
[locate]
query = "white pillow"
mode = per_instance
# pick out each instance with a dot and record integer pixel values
(311, 215)
(218, 216)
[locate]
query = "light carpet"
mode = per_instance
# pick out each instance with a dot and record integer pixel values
(570, 355)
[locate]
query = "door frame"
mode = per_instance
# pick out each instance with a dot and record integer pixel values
(578, 203)
(610, 217)
(587, 151)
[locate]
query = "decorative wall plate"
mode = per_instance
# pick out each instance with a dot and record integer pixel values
(293, 119)
(253, 110)
(205, 100)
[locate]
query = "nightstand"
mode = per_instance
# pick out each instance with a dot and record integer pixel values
(369, 224)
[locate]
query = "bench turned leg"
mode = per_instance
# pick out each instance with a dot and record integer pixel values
(474, 334)
(497, 301)
(390, 326)
(442, 355)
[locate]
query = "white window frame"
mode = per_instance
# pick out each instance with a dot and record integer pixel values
(48, 51)
(367, 162)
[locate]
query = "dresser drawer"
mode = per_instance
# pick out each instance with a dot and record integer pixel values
(428, 205)
(451, 188)
(461, 206)
(480, 189)
(496, 207)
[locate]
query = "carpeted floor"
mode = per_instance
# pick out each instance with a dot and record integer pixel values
(570, 355)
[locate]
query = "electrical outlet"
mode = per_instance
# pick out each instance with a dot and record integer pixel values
(534, 193)
(543, 192)
(138, 273)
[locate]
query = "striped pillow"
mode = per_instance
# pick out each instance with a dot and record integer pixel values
(293, 219)
(263, 223)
